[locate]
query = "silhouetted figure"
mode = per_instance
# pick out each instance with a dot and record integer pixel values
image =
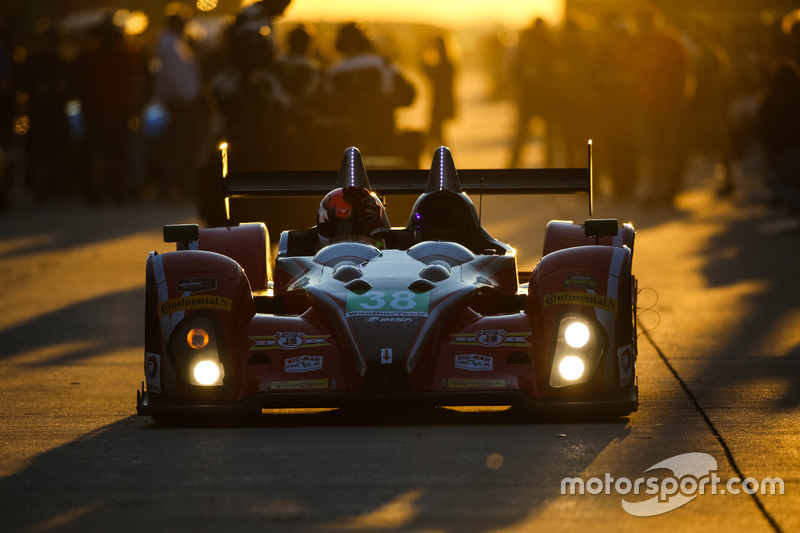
(778, 130)
(708, 123)
(306, 128)
(251, 103)
(441, 71)
(178, 88)
(533, 71)
(615, 131)
(7, 111)
(112, 92)
(48, 81)
(664, 85)
(364, 90)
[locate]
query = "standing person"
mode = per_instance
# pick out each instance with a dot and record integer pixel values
(112, 84)
(441, 72)
(778, 132)
(615, 132)
(48, 82)
(364, 90)
(533, 71)
(306, 126)
(663, 87)
(251, 102)
(178, 88)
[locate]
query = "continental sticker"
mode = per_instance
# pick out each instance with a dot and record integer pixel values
(290, 340)
(194, 302)
(491, 338)
(302, 384)
(582, 298)
(458, 383)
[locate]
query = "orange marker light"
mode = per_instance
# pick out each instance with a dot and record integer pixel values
(197, 338)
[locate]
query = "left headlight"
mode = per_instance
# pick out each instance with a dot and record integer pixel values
(196, 354)
(578, 350)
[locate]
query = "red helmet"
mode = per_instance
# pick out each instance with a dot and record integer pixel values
(352, 213)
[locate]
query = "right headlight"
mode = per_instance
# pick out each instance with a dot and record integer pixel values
(578, 350)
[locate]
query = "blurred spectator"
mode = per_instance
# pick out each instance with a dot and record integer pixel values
(778, 131)
(112, 88)
(664, 85)
(178, 88)
(364, 90)
(615, 134)
(251, 101)
(575, 76)
(441, 72)
(306, 128)
(533, 70)
(47, 80)
(708, 125)
(7, 111)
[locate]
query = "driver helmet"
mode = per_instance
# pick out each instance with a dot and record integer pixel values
(352, 214)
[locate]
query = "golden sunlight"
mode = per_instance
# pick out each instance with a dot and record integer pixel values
(451, 13)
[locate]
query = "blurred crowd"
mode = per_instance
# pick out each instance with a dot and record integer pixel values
(106, 115)
(655, 95)
(101, 114)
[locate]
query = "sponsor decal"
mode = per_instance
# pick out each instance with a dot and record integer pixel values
(194, 302)
(458, 383)
(388, 319)
(491, 338)
(303, 384)
(197, 284)
(152, 371)
(625, 359)
(475, 362)
(387, 303)
(580, 281)
(303, 363)
(288, 341)
(386, 356)
(582, 298)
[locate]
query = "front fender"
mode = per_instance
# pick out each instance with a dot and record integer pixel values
(594, 283)
(187, 286)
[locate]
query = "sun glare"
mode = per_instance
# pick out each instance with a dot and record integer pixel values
(449, 13)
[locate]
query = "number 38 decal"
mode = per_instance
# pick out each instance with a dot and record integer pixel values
(388, 302)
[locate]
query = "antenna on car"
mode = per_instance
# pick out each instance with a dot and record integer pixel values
(480, 203)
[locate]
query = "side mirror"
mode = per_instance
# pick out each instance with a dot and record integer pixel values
(182, 234)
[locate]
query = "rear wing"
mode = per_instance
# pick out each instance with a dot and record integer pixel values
(389, 182)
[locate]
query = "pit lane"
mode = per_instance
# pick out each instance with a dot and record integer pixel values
(717, 374)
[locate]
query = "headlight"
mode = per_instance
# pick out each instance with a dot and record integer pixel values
(579, 348)
(571, 368)
(577, 334)
(194, 351)
(207, 372)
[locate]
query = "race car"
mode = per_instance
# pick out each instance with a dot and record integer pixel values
(433, 313)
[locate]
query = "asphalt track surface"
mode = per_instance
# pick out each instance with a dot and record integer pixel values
(719, 374)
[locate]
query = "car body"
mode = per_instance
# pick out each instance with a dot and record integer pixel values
(442, 317)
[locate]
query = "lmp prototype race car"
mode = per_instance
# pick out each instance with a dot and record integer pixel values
(356, 312)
